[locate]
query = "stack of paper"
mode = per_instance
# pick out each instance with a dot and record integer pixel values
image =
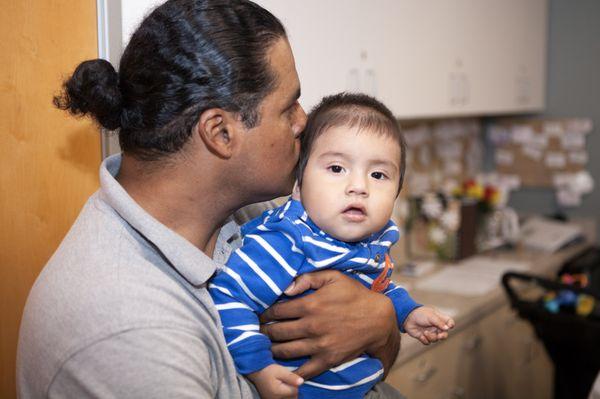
(472, 277)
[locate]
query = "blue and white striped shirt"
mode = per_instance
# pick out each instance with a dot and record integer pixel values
(278, 246)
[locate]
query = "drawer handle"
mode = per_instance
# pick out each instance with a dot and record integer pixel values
(457, 393)
(425, 375)
(473, 343)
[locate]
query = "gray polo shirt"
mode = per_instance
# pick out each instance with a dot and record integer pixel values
(121, 310)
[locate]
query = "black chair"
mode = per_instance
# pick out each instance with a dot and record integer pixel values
(572, 341)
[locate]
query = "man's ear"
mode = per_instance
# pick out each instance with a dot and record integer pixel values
(219, 130)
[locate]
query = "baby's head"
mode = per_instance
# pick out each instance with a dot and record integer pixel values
(351, 166)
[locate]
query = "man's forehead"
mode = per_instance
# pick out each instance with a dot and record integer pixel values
(282, 63)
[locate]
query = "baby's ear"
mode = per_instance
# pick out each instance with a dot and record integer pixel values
(296, 191)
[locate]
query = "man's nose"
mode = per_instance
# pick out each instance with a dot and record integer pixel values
(301, 121)
(357, 185)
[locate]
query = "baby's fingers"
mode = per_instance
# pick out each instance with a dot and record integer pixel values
(423, 339)
(432, 336)
(441, 321)
(449, 321)
(285, 391)
(289, 378)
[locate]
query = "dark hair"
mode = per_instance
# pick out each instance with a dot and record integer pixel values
(185, 57)
(351, 110)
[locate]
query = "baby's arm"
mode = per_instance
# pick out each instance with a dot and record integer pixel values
(403, 303)
(421, 322)
(254, 278)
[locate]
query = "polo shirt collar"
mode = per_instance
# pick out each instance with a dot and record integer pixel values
(187, 260)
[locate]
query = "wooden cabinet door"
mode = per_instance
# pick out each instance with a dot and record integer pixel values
(48, 160)
(473, 376)
(430, 375)
(519, 366)
(497, 357)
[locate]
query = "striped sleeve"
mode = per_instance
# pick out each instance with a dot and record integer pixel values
(403, 303)
(253, 279)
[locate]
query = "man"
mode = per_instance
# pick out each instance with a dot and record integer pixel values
(206, 103)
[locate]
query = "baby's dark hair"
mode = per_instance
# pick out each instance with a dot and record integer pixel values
(351, 110)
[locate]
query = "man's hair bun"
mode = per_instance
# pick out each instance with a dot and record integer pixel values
(93, 89)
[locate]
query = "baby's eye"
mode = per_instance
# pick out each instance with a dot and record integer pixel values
(378, 175)
(336, 168)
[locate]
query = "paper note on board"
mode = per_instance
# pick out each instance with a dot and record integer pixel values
(522, 134)
(416, 136)
(499, 135)
(556, 160)
(504, 157)
(532, 152)
(553, 128)
(583, 125)
(449, 150)
(538, 141)
(578, 157)
(573, 140)
(425, 156)
(453, 168)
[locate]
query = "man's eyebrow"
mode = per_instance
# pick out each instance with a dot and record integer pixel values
(294, 98)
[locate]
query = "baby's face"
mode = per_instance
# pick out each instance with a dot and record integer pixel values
(350, 182)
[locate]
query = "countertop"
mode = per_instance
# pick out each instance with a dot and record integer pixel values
(471, 309)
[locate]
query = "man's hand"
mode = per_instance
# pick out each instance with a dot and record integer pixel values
(335, 324)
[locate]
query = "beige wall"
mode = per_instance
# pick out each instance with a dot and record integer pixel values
(48, 161)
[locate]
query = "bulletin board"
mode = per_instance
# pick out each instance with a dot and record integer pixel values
(441, 154)
(540, 151)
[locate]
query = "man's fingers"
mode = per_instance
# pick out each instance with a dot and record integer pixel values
(284, 331)
(293, 349)
(311, 281)
(285, 310)
(311, 368)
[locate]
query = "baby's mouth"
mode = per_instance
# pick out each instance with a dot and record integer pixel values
(355, 213)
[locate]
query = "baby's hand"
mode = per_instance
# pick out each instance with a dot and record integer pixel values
(276, 382)
(428, 325)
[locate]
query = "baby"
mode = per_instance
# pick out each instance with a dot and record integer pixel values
(350, 173)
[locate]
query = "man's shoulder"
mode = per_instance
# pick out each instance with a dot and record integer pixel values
(100, 283)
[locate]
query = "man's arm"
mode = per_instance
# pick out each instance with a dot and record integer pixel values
(338, 322)
(143, 363)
